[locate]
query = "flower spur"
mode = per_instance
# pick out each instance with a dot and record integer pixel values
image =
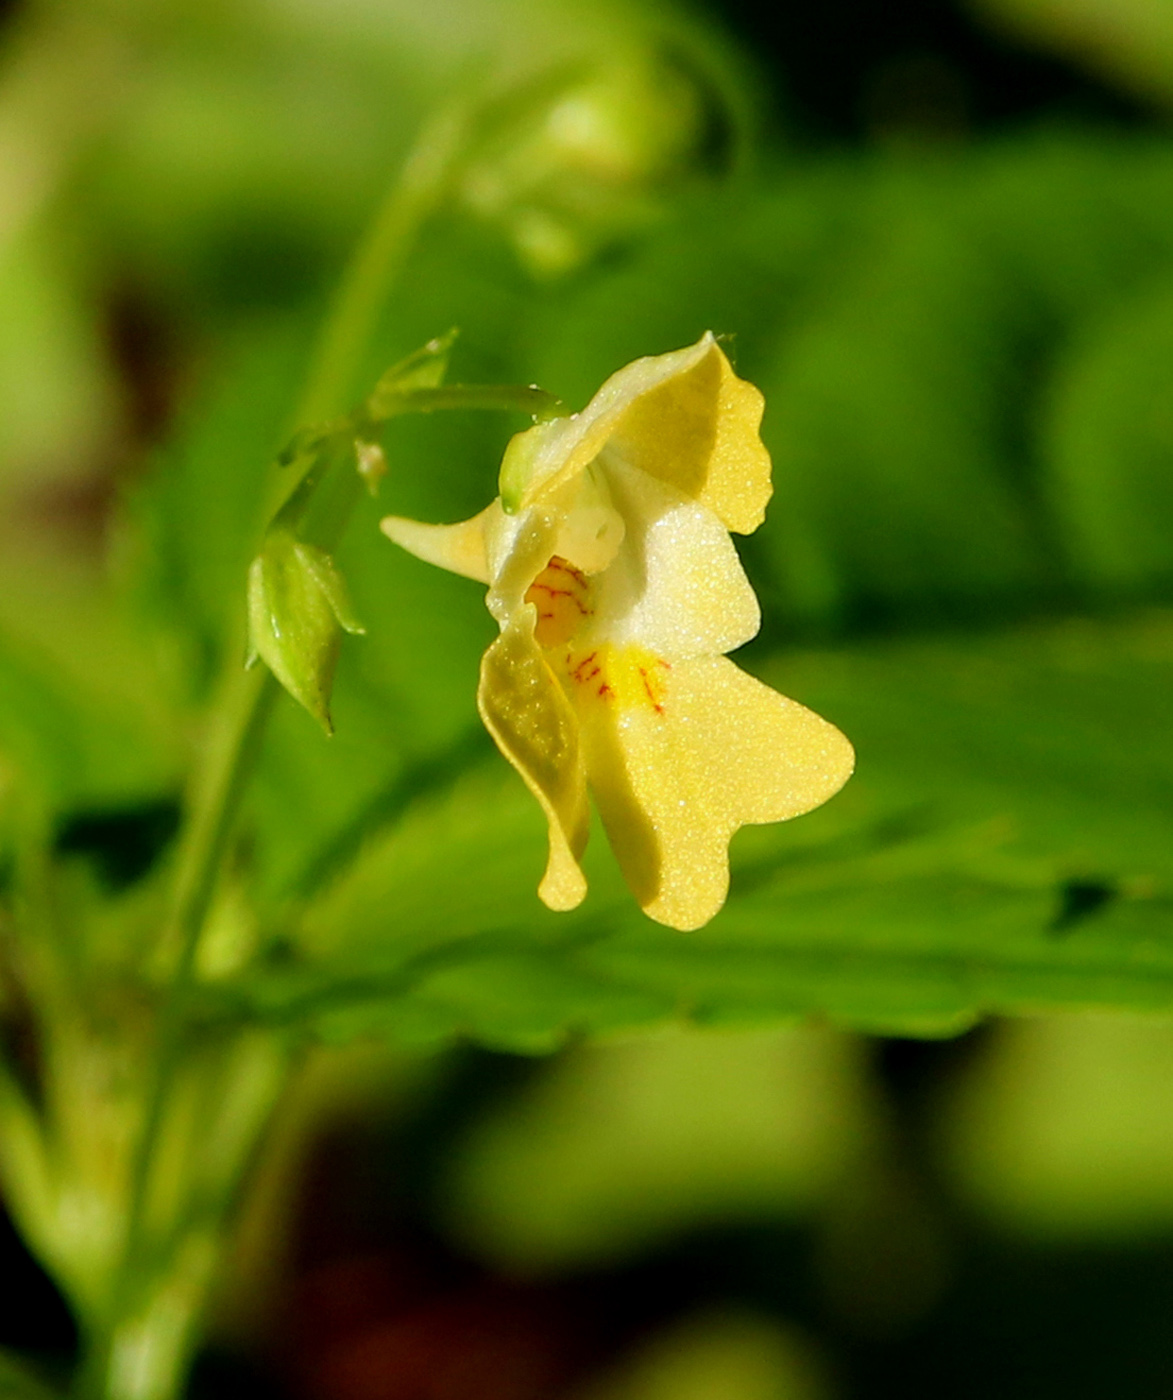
(618, 592)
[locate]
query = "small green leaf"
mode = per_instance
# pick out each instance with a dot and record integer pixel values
(297, 606)
(424, 368)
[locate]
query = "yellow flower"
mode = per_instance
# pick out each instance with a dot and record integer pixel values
(618, 591)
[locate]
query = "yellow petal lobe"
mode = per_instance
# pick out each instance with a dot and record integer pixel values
(535, 727)
(698, 430)
(678, 765)
(458, 548)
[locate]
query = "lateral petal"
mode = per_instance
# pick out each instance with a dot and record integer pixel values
(535, 727)
(676, 586)
(675, 780)
(458, 548)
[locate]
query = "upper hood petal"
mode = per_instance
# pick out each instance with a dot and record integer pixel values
(683, 417)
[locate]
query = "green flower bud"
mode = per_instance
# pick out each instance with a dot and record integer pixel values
(297, 611)
(572, 165)
(424, 368)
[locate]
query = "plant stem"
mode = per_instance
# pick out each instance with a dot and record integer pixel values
(420, 188)
(232, 743)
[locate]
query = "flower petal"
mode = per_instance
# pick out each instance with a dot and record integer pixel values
(676, 586)
(537, 730)
(697, 429)
(684, 417)
(458, 548)
(675, 779)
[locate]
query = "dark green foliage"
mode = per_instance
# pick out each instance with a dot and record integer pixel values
(965, 363)
(997, 774)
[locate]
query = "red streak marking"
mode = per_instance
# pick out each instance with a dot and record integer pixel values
(659, 709)
(561, 566)
(605, 690)
(561, 593)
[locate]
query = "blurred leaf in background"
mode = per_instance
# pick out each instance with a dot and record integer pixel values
(623, 1145)
(1130, 41)
(966, 348)
(1064, 1131)
(734, 1356)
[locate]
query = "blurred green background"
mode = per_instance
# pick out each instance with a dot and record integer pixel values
(719, 1166)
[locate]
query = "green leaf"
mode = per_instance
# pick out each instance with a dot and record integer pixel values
(424, 368)
(1006, 846)
(1108, 439)
(199, 515)
(1130, 45)
(81, 747)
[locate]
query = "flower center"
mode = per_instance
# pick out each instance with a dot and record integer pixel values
(629, 677)
(562, 595)
(591, 672)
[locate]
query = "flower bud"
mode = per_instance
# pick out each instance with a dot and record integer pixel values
(588, 158)
(297, 611)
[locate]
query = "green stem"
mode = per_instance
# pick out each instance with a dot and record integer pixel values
(233, 741)
(422, 185)
(522, 398)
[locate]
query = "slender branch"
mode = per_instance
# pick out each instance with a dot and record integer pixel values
(523, 398)
(422, 185)
(246, 698)
(233, 742)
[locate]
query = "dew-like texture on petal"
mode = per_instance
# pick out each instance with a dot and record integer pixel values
(676, 586)
(675, 780)
(535, 727)
(684, 417)
(458, 548)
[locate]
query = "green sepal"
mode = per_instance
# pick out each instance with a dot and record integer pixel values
(297, 610)
(424, 368)
(326, 574)
(413, 385)
(517, 469)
